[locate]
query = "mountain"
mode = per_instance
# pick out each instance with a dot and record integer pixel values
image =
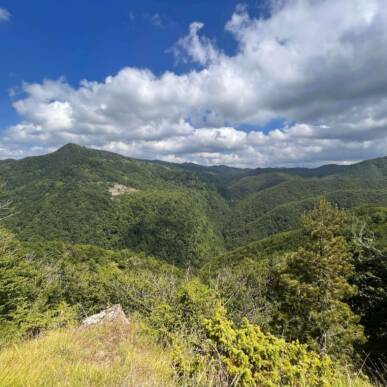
(182, 213)
(95, 229)
(71, 195)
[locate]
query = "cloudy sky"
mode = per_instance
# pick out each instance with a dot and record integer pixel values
(260, 83)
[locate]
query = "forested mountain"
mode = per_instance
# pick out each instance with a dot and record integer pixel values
(184, 213)
(87, 196)
(264, 276)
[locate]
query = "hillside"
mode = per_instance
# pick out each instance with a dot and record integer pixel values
(115, 353)
(66, 196)
(193, 327)
(110, 354)
(183, 213)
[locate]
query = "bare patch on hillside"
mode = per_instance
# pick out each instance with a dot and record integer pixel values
(120, 189)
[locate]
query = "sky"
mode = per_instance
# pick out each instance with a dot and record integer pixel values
(246, 84)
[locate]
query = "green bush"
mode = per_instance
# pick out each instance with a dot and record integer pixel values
(250, 357)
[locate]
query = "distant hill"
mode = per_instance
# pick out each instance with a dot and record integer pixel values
(183, 213)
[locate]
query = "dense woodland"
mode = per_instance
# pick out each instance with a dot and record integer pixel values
(241, 276)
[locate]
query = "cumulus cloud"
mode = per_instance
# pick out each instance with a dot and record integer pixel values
(319, 65)
(195, 47)
(4, 15)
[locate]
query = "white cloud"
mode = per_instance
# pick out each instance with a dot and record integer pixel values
(4, 15)
(319, 63)
(195, 47)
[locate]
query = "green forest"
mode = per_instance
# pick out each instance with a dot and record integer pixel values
(229, 277)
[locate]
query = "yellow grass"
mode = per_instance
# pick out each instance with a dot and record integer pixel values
(351, 381)
(107, 355)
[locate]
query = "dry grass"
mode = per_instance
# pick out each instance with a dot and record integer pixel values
(107, 355)
(350, 381)
(112, 354)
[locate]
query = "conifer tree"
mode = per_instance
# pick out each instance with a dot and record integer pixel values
(313, 286)
(15, 276)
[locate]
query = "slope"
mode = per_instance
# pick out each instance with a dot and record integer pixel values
(182, 213)
(65, 196)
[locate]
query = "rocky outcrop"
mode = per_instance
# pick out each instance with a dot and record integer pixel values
(113, 314)
(120, 189)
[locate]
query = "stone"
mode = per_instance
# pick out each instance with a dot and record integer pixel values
(113, 314)
(120, 189)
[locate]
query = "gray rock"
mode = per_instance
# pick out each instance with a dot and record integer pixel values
(113, 314)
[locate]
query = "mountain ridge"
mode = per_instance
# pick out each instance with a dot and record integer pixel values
(72, 147)
(189, 210)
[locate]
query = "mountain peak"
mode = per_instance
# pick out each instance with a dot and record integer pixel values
(70, 147)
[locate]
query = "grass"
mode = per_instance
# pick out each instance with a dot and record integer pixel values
(111, 354)
(107, 355)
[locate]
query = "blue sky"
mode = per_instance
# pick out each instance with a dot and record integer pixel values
(251, 83)
(77, 40)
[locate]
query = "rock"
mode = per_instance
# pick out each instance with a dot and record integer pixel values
(113, 314)
(120, 189)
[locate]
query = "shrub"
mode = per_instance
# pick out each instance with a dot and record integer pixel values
(248, 357)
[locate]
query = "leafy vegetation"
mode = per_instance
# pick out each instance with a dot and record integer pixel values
(299, 301)
(313, 284)
(65, 196)
(190, 212)
(252, 358)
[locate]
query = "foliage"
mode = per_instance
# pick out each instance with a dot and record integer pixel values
(90, 278)
(244, 287)
(159, 251)
(181, 318)
(24, 310)
(72, 281)
(313, 285)
(16, 276)
(370, 278)
(63, 283)
(246, 356)
(170, 225)
(65, 196)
